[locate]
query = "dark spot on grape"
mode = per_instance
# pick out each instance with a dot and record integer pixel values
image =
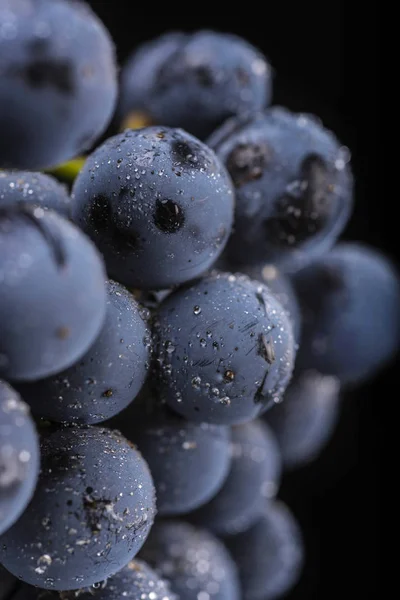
(204, 76)
(63, 333)
(55, 73)
(61, 461)
(262, 302)
(261, 396)
(107, 394)
(125, 240)
(266, 349)
(305, 210)
(169, 216)
(100, 213)
(124, 191)
(246, 162)
(189, 155)
(95, 512)
(102, 220)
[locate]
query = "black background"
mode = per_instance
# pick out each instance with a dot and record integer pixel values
(325, 62)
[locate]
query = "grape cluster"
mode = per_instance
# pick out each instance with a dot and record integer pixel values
(177, 323)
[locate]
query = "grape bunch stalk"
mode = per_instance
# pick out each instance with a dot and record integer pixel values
(178, 315)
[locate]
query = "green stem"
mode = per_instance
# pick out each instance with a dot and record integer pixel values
(68, 171)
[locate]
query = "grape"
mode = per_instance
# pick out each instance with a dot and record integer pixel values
(188, 461)
(350, 301)
(158, 204)
(108, 377)
(254, 476)
(92, 510)
(294, 187)
(269, 555)
(52, 293)
(195, 562)
(195, 81)
(58, 83)
(304, 422)
(224, 349)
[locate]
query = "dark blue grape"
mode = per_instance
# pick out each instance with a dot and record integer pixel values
(254, 476)
(92, 510)
(25, 187)
(158, 204)
(293, 186)
(350, 301)
(196, 564)
(304, 422)
(269, 555)
(58, 83)
(52, 293)
(136, 581)
(108, 377)
(188, 461)
(195, 81)
(19, 456)
(224, 350)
